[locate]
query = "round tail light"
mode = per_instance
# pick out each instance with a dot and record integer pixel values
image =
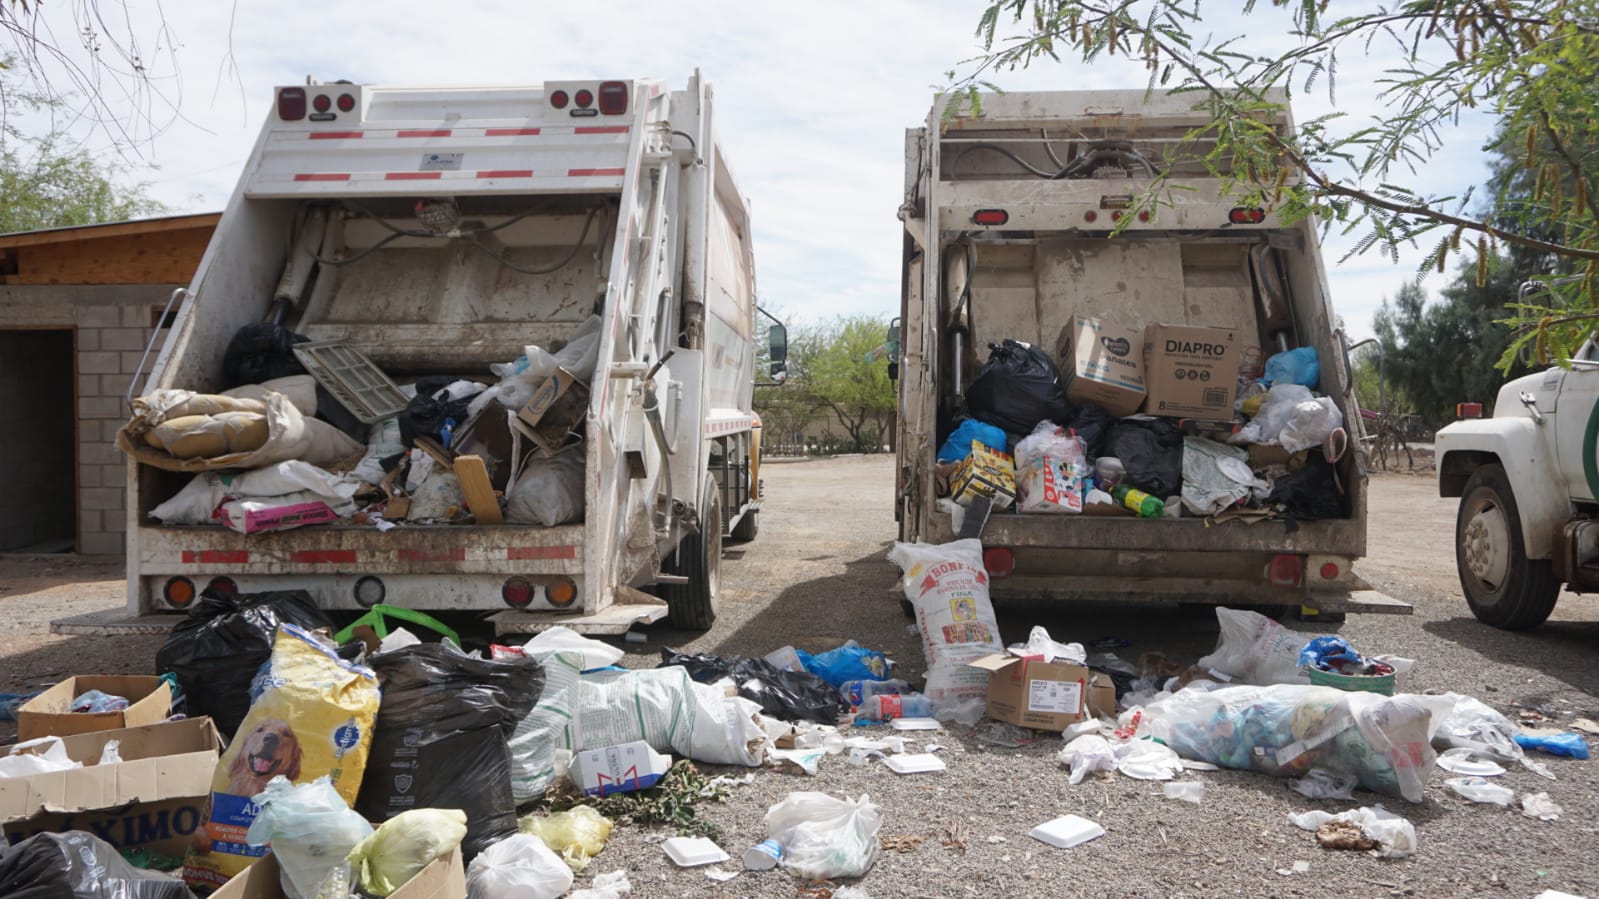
(178, 592)
(223, 585)
(561, 593)
(583, 98)
(517, 593)
(321, 103)
(346, 102)
(369, 591)
(559, 99)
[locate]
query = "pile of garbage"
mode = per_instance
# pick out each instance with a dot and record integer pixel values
(1257, 442)
(291, 442)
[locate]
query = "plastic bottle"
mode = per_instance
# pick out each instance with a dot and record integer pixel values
(1145, 505)
(1109, 473)
(763, 856)
(857, 691)
(891, 705)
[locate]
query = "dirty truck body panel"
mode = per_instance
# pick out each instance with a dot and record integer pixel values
(623, 207)
(1180, 261)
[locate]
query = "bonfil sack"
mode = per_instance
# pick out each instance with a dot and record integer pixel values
(948, 585)
(311, 715)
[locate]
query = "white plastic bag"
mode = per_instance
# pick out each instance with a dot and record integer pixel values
(1211, 484)
(824, 837)
(611, 885)
(549, 491)
(311, 830)
(436, 497)
(382, 442)
(1147, 760)
(1051, 467)
(595, 653)
(1087, 754)
(518, 867)
(1040, 645)
(1310, 424)
(53, 757)
(948, 585)
(1395, 836)
(1254, 649)
(1275, 410)
(1478, 790)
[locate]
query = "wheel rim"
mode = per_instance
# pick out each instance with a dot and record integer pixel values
(1485, 544)
(713, 558)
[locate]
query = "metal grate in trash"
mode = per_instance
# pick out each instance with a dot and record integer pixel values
(353, 380)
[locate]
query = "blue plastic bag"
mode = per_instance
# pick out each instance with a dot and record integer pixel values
(1571, 746)
(959, 444)
(851, 661)
(1329, 654)
(1297, 366)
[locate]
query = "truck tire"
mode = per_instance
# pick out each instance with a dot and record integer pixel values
(1504, 588)
(747, 527)
(692, 606)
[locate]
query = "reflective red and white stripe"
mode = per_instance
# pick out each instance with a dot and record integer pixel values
(352, 557)
(729, 426)
(437, 133)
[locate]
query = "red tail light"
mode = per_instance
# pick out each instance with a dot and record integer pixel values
(999, 561)
(990, 217)
(1143, 216)
(559, 99)
(1240, 215)
(291, 104)
(517, 593)
(321, 103)
(1286, 571)
(346, 102)
(223, 585)
(613, 97)
(583, 98)
(1090, 216)
(1329, 571)
(1468, 410)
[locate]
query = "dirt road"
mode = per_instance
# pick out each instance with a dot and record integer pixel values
(816, 576)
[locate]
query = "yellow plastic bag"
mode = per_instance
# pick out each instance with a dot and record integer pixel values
(404, 845)
(577, 834)
(313, 717)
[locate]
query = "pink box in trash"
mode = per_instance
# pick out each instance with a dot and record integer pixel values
(252, 516)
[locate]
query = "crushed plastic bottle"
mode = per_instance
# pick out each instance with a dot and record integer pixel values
(887, 706)
(858, 691)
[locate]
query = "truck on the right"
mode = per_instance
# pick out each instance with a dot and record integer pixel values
(1528, 482)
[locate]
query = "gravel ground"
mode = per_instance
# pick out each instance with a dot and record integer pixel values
(816, 576)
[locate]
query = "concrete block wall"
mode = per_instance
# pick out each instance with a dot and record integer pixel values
(112, 325)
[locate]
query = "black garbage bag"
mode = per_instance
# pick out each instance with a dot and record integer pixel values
(789, 695)
(1093, 424)
(217, 650)
(78, 865)
(264, 351)
(1152, 452)
(1018, 387)
(1309, 494)
(424, 416)
(442, 737)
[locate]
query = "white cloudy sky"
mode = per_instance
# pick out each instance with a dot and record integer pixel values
(813, 99)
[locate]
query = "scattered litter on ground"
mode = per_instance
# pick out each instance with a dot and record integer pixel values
(1469, 763)
(1374, 828)
(1540, 806)
(1067, 831)
(1478, 790)
(1190, 791)
(692, 852)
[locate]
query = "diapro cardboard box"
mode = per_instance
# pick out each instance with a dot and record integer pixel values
(49, 715)
(445, 878)
(1103, 364)
(154, 799)
(1044, 695)
(1191, 372)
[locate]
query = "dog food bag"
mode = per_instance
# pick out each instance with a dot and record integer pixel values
(948, 585)
(311, 716)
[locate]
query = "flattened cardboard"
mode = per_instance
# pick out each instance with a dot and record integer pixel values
(1191, 372)
(445, 878)
(1103, 364)
(1044, 695)
(47, 715)
(155, 798)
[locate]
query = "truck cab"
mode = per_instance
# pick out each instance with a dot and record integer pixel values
(1527, 483)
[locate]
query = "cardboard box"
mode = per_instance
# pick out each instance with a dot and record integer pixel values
(154, 799)
(987, 473)
(1191, 372)
(1044, 695)
(622, 768)
(445, 878)
(47, 715)
(1103, 364)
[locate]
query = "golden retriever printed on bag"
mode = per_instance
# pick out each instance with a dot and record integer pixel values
(313, 716)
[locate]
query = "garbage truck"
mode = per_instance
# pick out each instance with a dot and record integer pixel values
(437, 231)
(1091, 226)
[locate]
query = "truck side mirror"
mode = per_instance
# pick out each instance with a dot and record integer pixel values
(777, 349)
(893, 350)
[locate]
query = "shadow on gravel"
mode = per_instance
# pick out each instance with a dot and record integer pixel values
(1563, 650)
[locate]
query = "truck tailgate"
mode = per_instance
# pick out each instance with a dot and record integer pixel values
(444, 549)
(1341, 537)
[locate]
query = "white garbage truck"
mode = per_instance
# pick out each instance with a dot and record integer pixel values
(437, 231)
(1031, 211)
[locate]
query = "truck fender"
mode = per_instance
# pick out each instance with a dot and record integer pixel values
(1516, 445)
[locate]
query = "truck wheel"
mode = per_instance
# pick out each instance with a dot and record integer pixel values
(692, 606)
(1503, 587)
(747, 527)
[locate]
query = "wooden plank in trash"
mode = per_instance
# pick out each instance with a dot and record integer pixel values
(479, 492)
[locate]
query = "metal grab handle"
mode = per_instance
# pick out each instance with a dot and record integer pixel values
(150, 344)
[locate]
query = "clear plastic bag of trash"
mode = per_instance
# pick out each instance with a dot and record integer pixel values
(549, 490)
(521, 377)
(311, 829)
(1319, 784)
(518, 867)
(1267, 425)
(825, 837)
(1288, 730)
(1395, 836)
(1310, 423)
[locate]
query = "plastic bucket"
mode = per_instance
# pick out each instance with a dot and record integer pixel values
(1354, 683)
